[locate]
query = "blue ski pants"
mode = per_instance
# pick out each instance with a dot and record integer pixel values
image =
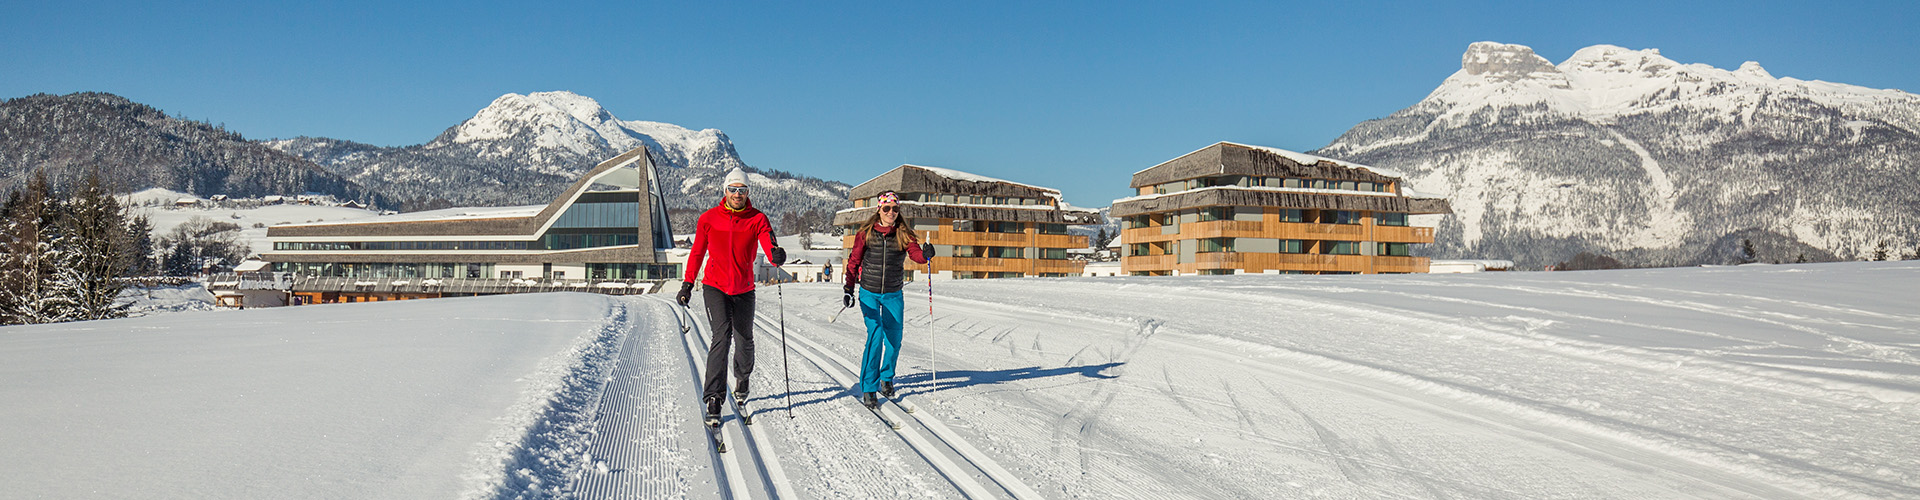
(882, 311)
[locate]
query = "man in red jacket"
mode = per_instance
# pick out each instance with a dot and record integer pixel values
(724, 239)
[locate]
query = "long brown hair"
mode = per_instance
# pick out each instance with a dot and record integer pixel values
(902, 230)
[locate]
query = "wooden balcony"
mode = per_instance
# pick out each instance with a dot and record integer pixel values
(1255, 263)
(1147, 263)
(1057, 266)
(1403, 234)
(1256, 229)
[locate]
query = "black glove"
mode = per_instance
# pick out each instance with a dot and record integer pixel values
(686, 293)
(777, 256)
(848, 298)
(926, 250)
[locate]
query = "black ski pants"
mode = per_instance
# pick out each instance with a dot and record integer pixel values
(732, 318)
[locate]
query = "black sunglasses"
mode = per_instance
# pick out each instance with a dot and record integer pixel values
(889, 208)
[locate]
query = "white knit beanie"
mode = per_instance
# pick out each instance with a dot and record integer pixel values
(735, 176)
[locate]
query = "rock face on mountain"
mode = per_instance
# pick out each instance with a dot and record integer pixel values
(524, 149)
(1628, 153)
(136, 147)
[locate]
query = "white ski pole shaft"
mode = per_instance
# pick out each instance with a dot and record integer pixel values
(780, 291)
(932, 340)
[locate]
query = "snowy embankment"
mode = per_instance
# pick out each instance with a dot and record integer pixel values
(417, 399)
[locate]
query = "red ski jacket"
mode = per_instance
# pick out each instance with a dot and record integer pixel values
(724, 240)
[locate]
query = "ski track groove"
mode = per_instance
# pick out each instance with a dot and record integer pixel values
(960, 480)
(636, 447)
(950, 442)
(1417, 388)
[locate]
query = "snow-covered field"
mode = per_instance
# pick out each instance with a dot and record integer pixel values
(1793, 381)
(164, 216)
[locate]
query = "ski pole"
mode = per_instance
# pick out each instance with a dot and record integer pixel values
(836, 314)
(782, 293)
(933, 341)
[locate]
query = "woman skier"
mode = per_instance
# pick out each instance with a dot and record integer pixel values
(877, 266)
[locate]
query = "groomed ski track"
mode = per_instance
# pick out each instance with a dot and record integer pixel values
(648, 442)
(1421, 387)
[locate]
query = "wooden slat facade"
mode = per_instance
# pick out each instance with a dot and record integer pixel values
(1165, 237)
(912, 179)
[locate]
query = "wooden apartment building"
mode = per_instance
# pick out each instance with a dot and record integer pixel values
(1237, 209)
(980, 227)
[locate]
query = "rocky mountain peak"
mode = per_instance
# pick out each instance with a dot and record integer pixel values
(1629, 153)
(1504, 61)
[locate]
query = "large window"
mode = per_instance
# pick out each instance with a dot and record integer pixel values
(1053, 253)
(1394, 249)
(1209, 245)
(603, 209)
(399, 245)
(587, 240)
(1138, 221)
(1140, 249)
(1006, 227)
(1340, 247)
(1390, 219)
(1045, 228)
(1216, 272)
(1291, 215)
(1341, 217)
(1216, 213)
(1003, 252)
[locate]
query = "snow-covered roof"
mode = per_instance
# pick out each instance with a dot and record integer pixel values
(447, 214)
(1297, 157)
(972, 177)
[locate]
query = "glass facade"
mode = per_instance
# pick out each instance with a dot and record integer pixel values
(386, 270)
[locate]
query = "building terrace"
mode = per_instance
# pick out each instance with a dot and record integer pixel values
(1232, 208)
(981, 227)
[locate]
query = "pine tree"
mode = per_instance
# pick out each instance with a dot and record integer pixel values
(1746, 251)
(24, 274)
(96, 247)
(140, 233)
(1880, 252)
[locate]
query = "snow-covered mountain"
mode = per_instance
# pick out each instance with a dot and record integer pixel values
(523, 149)
(1629, 153)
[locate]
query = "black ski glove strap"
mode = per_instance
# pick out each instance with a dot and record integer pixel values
(686, 293)
(926, 250)
(848, 298)
(777, 256)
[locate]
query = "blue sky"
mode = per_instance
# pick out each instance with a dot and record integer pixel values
(1071, 95)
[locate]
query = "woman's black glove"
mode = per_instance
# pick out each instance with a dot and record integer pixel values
(777, 256)
(686, 293)
(847, 299)
(926, 250)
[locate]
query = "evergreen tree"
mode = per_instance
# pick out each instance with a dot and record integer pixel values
(1746, 251)
(140, 234)
(96, 247)
(179, 261)
(1880, 252)
(28, 243)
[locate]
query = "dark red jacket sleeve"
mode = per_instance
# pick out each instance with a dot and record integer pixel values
(913, 251)
(852, 268)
